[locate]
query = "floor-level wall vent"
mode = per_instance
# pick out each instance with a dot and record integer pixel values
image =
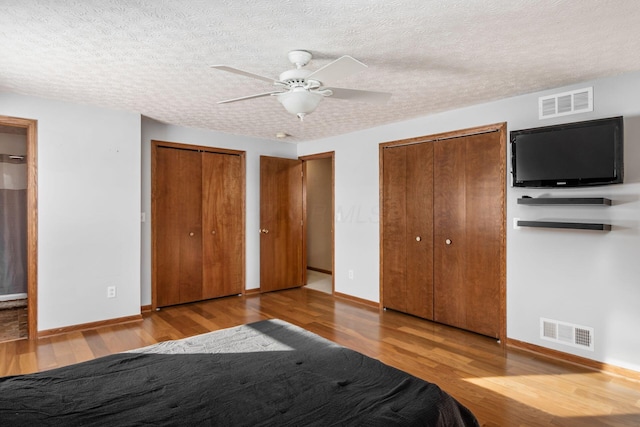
(565, 103)
(566, 333)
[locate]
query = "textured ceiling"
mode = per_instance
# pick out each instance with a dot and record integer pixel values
(153, 56)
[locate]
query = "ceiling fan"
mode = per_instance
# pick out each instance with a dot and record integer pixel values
(301, 90)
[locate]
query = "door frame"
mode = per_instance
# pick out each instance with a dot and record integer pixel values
(325, 155)
(155, 144)
(31, 128)
(501, 128)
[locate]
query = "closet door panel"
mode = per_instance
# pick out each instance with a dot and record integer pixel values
(450, 297)
(394, 244)
(189, 181)
(484, 213)
(222, 205)
(166, 231)
(468, 199)
(419, 230)
(178, 241)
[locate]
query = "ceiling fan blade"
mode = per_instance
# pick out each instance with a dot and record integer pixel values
(359, 95)
(244, 73)
(344, 66)
(242, 98)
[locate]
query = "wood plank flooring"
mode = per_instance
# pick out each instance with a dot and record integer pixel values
(503, 387)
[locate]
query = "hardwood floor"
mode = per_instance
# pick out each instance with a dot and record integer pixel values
(503, 387)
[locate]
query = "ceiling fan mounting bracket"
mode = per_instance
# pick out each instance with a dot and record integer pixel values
(299, 58)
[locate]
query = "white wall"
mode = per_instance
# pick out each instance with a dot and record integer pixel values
(582, 277)
(254, 148)
(88, 209)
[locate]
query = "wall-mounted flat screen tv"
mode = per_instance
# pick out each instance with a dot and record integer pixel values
(569, 155)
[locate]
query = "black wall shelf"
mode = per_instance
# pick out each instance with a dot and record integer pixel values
(570, 225)
(546, 201)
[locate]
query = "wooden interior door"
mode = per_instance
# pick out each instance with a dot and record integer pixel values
(407, 237)
(281, 227)
(222, 225)
(178, 230)
(468, 236)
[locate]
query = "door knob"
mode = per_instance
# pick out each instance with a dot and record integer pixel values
(191, 234)
(418, 238)
(213, 231)
(264, 231)
(448, 241)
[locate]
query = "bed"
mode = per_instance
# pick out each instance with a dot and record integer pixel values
(268, 373)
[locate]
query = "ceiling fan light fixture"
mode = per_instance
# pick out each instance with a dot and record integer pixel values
(300, 101)
(300, 90)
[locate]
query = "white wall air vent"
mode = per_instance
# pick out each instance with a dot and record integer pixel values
(566, 333)
(565, 103)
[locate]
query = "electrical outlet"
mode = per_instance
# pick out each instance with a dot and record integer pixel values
(111, 291)
(351, 274)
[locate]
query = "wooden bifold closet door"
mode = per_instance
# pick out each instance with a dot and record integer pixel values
(198, 224)
(469, 232)
(443, 228)
(222, 225)
(408, 229)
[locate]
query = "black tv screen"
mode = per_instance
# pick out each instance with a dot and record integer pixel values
(568, 155)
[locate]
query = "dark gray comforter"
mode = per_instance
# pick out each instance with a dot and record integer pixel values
(269, 373)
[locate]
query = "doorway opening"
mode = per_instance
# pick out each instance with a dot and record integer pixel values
(319, 212)
(18, 228)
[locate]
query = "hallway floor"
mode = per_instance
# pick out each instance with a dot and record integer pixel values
(319, 281)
